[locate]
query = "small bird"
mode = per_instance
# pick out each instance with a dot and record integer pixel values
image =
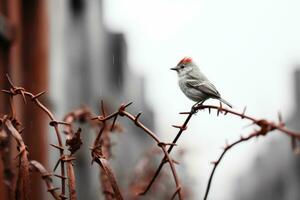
(194, 83)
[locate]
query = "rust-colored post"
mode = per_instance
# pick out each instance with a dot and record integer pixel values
(6, 189)
(35, 79)
(24, 55)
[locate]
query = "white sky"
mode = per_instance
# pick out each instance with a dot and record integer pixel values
(248, 49)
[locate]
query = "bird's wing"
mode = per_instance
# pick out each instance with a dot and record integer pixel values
(203, 86)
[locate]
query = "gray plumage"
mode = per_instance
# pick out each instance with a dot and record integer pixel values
(194, 83)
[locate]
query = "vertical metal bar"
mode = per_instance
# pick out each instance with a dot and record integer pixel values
(35, 79)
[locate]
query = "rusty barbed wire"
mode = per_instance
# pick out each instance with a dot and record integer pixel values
(266, 126)
(14, 91)
(101, 148)
(135, 119)
(22, 187)
(97, 153)
(46, 176)
(227, 148)
(8, 173)
(181, 128)
(100, 151)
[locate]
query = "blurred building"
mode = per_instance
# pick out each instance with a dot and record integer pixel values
(89, 63)
(275, 174)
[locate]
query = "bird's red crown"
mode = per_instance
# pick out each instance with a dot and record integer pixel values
(185, 60)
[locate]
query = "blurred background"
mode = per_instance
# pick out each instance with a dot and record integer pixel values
(81, 51)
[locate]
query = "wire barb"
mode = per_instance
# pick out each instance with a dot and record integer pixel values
(38, 95)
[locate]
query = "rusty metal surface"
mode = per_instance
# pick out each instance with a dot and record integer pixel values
(24, 55)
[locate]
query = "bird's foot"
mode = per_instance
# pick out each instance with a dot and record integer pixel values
(194, 110)
(195, 107)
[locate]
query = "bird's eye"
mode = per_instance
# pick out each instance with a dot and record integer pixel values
(182, 66)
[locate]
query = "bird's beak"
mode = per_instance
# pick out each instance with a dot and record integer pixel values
(174, 68)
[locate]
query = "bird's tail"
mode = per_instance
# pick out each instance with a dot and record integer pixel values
(227, 103)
